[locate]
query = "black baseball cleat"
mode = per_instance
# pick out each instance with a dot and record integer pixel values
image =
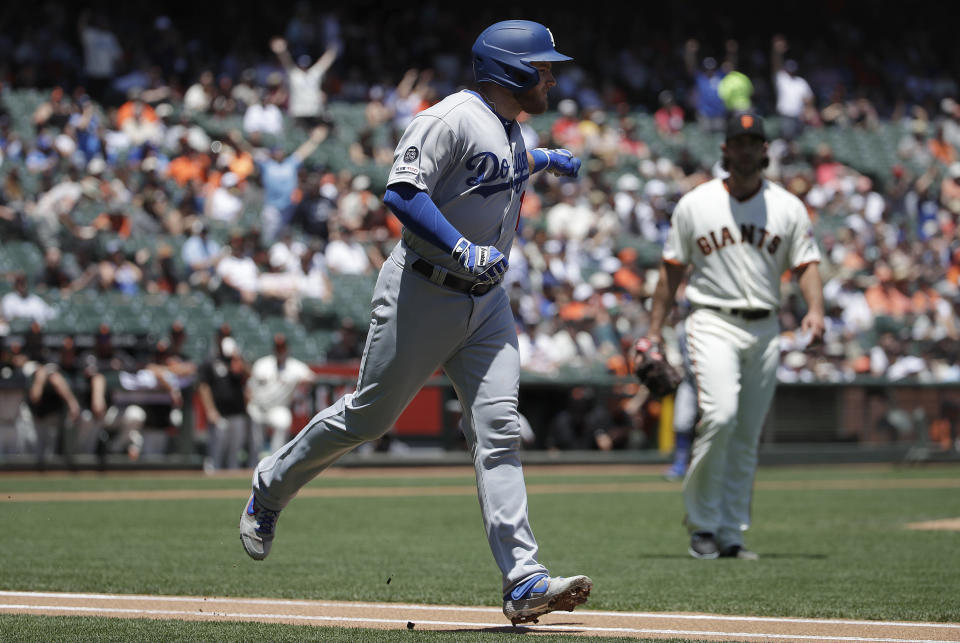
(703, 545)
(739, 551)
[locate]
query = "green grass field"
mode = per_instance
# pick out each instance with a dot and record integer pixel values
(833, 544)
(54, 629)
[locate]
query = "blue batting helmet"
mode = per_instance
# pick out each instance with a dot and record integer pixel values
(503, 52)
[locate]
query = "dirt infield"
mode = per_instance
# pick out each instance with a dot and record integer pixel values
(462, 490)
(432, 471)
(950, 524)
(947, 524)
(397, 616)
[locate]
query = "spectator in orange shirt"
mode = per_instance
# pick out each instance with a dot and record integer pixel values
(242, 165)
(189, 166)
(953, 271)
(941, 148)
(115, 220)
(924, 298)
(132, 107)
(628, 277)
(885, 297)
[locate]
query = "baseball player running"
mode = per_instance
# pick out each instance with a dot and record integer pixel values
(457, 182)
(739, 234)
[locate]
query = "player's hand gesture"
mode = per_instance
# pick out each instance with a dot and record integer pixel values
(561, 162)
(278, 45)
(812, 327)
(486, 262)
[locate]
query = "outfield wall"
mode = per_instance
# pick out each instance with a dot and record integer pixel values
(870, 421)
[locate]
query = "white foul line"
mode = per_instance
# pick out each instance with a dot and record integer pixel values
(456, 608)
(385, 621)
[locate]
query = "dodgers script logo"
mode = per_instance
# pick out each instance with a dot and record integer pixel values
(488, 168)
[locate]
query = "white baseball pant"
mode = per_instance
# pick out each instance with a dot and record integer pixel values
(735, 363)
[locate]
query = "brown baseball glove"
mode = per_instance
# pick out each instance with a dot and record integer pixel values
(653, 369)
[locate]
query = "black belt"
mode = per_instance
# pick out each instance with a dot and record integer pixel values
(452, 281)
(746, 313)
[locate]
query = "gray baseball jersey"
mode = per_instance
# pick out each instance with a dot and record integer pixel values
(472, 165)
(475, 169)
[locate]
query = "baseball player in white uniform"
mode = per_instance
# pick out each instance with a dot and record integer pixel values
(739, 235)
(458, 179)
(272, 385)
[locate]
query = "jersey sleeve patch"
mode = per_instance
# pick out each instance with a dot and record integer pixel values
(411, 154)
(407, 169)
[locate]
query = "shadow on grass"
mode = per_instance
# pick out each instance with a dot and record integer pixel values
(795, 555)
(518, 629)
(763, 556)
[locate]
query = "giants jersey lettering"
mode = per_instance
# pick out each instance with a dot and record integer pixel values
(472, 166)
(738, 250)
(748, 234)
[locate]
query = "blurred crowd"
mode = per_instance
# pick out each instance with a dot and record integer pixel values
(852, 57)
(106, 396)
(139, 158)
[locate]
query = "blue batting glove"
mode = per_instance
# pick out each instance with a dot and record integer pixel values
(486, 262)
(560, 161)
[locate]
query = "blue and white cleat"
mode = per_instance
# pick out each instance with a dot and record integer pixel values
(542, 594)
(257, 528)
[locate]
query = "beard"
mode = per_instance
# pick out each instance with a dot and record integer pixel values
(533, 101)
(745, 168)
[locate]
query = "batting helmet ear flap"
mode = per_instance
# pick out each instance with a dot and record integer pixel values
(488, 69)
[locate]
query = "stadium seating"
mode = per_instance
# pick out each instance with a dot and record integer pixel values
(870, 151)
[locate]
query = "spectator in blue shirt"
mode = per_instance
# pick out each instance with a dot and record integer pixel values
(710, 108)
(279, 177)
(87, 125)
(200, 255)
